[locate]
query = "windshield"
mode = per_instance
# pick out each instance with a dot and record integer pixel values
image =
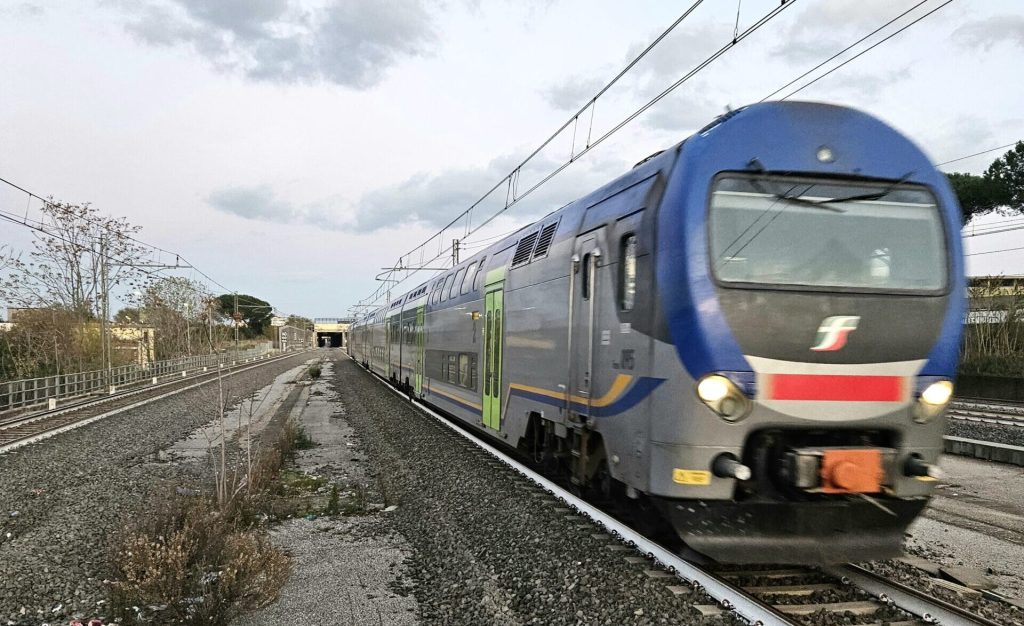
(823, 234)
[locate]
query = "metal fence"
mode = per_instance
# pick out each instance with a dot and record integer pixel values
(18, 394)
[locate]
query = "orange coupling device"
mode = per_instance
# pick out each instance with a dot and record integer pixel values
(852, 471)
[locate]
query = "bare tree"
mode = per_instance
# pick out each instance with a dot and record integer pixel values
(64, 269)
(181, 312)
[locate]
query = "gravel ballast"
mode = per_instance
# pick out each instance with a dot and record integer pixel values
(1010, 435)
(487, 547)
(63, 499)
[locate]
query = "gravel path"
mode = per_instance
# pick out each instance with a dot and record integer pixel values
(345, 570)
(62, 499)
(486, 547)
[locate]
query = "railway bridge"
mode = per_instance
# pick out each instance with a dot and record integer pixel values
(331, 332)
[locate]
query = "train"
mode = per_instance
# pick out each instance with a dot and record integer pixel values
(751, 336)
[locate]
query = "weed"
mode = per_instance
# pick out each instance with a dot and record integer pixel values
(201, 566)
(301, 440)
(333, 503)
(314, 371)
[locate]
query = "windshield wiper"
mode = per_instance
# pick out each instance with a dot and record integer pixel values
(864, 197)
(797, 199)
(824, 204)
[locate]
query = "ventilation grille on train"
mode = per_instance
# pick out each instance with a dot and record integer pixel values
(524, 249)
(544, 242)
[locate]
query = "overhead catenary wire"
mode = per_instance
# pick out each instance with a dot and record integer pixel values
(869, 48)
(994, 251)
(841, 52)
(1003, 147)
(40, 227)
(512, 178)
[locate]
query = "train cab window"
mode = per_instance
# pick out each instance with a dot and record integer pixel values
(585, 276)
(627, 281)
(447, 287)
(479, 273)
(467, 282)
(821, 234)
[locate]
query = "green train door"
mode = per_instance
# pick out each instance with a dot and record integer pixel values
(420, 343)
(494, 324)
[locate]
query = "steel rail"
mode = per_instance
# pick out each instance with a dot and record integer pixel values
(730, 597)
(736, 600)
(88, 419)
(28, 418)
(932, 610)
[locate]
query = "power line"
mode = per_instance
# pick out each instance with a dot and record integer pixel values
(841, 52)
(869, 48)
(994, 251)
(513, 196)
(996, 231)
(14, 218)
(1009, 145)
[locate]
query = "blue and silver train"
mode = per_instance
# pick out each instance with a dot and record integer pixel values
(753, 334)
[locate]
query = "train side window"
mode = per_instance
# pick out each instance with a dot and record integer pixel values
(479, 273)
(627, 282)
(452, 371)
(447, 286)
(465, 378)
(458, 283)
(585, 277)
(467, 283)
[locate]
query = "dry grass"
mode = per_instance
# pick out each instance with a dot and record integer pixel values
(186, 563)
(194, 559)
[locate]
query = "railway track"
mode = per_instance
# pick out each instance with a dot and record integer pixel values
(784, 596)
(987, 412)
(22, 430)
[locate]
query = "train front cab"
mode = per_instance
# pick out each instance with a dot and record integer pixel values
(813, 290)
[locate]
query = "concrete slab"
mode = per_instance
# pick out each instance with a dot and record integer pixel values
(345, 570)
(922, 564)
(968, 577)
(246, 415)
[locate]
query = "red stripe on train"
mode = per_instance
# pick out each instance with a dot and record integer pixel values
(835, 388)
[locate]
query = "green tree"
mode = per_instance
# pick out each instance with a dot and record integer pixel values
(299, 322)
(255, 313)
(1000, 188)
(978, 195)
(1008, 172)
(128, 315)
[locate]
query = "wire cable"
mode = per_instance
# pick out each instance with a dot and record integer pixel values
(1009, 145)
(841, 52)
(994, 251)
(14, 218)
(512, 178)
(868, 49)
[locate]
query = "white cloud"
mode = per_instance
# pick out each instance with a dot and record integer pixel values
(572, 93)
(347, 42)
(989, 32)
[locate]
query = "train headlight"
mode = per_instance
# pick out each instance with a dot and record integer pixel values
(932, 401)
(723, 397)
(714, 388)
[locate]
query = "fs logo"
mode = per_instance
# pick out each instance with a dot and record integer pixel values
(833, 331)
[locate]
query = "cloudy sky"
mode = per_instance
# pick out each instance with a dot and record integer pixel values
(292, 148)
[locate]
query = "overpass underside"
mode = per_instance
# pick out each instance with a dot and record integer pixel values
(331, 332)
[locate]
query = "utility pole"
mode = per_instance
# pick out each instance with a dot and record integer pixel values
(105, 310)
(235, 317)
(455, 252)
